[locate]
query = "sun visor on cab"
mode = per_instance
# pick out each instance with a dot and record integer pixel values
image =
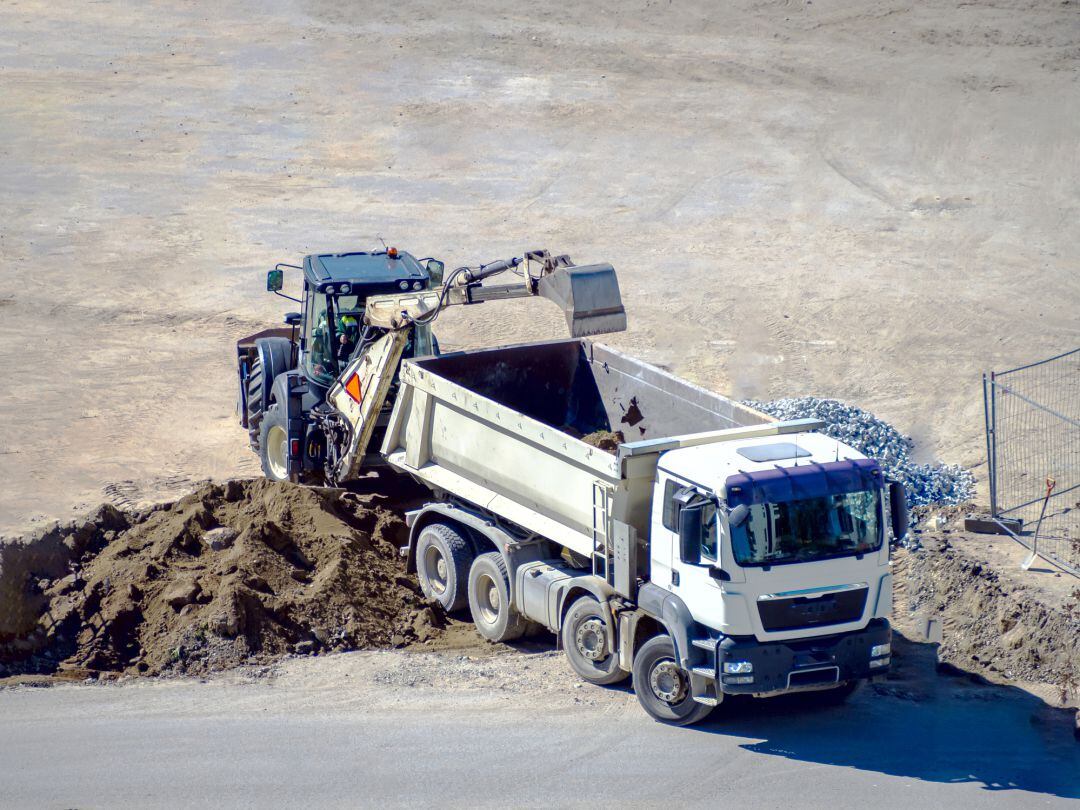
(811, 480)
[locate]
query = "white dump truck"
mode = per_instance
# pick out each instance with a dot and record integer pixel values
(704, 548)
(716, 551)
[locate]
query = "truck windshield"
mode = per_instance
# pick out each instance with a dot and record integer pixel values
(836, 525)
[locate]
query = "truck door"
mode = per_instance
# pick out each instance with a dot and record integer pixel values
(663, 534)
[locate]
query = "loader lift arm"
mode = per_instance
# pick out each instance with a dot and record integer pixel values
(589, 297)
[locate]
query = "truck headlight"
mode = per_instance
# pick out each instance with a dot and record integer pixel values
(738, 667)
(879, 650)
(345, 289)
(880, 662)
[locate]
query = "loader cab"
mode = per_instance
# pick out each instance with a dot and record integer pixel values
(336, 289)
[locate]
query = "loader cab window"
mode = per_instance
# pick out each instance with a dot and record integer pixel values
(320, 359)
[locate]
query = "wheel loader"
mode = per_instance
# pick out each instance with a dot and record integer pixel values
(315, 393)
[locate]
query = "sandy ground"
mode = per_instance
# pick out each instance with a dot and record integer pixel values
(874, 203)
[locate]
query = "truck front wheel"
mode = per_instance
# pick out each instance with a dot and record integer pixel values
(584, 636)
(663, 687)
(489, 600)
(443, 558)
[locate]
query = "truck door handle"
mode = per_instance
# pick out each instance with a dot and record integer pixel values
(674, 577)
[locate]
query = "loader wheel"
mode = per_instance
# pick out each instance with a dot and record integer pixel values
(274, 444)
(663, 687)
(443, 557)
(254, 403)
(584, 636)
(489, 600)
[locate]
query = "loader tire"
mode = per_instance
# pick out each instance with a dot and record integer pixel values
(443, 557)
(489, 600)
(274, 444)
(254, 403)
(663, 687)
(588, 649)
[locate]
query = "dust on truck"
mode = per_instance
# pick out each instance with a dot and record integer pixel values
(716, 552)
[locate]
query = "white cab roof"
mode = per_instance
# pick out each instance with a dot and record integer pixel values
(709, 465)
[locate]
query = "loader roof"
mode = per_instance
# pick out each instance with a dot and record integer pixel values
(363, 268)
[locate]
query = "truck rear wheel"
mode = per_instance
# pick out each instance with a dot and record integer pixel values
(489, 600)
(443, 558)
(584, 636)
(663, 687)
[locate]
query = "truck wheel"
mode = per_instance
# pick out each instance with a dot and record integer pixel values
(254, 403)
(663, 687)
(489, 600)
(584, 638)
(443, 558)
(274, 444)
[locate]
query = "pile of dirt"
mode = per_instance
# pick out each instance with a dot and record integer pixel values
(992, 624)
(606, 440)
(241, 572)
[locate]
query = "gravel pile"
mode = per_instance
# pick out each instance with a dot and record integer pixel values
(926, 484)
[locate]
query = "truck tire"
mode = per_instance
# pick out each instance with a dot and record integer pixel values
(584, 638)
(489, 600)
(443, 557)
(274, 444)
(254, 403)
(663, 687)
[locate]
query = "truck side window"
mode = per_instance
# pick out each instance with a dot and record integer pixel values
(708, 541)
(671, 512)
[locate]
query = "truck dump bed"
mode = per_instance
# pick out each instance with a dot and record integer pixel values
(502, 428)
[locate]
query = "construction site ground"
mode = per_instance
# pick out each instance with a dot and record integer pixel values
(874, 204)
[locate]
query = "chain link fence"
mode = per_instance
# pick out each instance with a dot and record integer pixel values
(1033, 445)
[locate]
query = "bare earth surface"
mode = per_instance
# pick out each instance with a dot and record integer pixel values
(873, 203)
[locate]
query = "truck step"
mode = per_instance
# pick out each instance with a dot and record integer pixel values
(708, 701)
(708, 673)
(705, 643)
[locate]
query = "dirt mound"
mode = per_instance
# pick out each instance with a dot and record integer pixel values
(991, 624)
(605, 440)
(233, 573)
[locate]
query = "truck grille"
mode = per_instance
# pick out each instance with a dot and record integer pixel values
(798, 612)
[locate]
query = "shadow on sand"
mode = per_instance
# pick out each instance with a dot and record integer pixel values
(919, 724)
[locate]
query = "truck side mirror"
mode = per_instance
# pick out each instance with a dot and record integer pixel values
(435, 270)
(275, 280)
(691, 528)
(898, 510)
(738, 515)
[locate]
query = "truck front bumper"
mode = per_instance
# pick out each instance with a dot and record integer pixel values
(782, 666)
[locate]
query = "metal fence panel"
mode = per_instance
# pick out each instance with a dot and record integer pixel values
(1033, 446)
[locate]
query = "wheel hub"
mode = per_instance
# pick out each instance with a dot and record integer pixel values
(667, 682)
(591, 640)
(277, 452)
(489, 601)
(435, 565)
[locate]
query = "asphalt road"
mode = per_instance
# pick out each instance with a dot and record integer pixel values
(379, 730)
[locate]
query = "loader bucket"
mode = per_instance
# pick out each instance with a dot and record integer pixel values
(589, 297)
